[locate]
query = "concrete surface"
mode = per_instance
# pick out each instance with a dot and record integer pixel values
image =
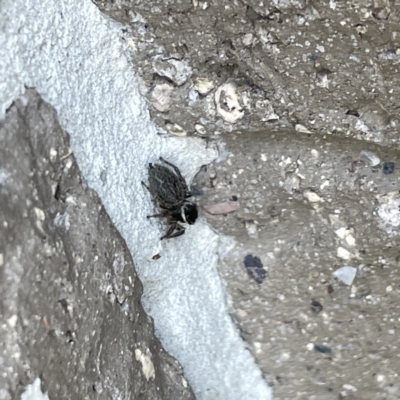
(315, 188)
(320, 81)
(329, 67)
(307, 207)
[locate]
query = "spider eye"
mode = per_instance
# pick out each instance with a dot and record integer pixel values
(191, 213)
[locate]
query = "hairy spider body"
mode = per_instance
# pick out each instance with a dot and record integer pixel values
(169, 189)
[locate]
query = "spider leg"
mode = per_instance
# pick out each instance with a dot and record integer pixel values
(161, 215)
(170, 232)
(174, 167)
(177, 234)
(146, 187)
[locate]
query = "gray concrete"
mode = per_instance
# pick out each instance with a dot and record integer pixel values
(329, 67)
(71, 299)
(309, 193)
(309, 206)
(77, 60)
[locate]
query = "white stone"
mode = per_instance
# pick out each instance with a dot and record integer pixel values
(341, 232)
(247, 39)
(176, 70)
(343, 253)
(147, 364)
(203, 85)
(12, 321)
(301, 128)
(315, 153)
(200, 129)
(350, 240)
(346, 274)
(227, 103)
(161, 97)
(176, 130)
(370, 158)
(349, 387)
(312, 197)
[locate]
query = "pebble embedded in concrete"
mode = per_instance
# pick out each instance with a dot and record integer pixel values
(227, 103)
(161, 97)
(346, 274)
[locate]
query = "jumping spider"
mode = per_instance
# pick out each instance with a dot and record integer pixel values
(168, 187)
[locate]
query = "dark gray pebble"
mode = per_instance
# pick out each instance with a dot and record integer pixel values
(388, 167)
(322, 348)
(316, 306)
(255, 268)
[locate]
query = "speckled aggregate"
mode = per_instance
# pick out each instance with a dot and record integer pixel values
(325, 226)
(75, 58)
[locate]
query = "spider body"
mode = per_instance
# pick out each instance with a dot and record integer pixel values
(169, 189)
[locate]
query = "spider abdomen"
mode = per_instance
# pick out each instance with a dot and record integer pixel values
(166, 187)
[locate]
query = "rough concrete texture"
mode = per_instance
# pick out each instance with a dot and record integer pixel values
(71, 301)
(328, 67)
(74, 56)
(307, 207)
(314, 193)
